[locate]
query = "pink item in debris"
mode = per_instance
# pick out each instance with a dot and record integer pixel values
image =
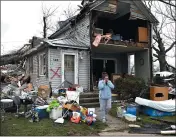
(97, 40)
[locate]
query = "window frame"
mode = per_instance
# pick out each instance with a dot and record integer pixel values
(42, 64)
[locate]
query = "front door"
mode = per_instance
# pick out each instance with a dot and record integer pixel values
(69, 69)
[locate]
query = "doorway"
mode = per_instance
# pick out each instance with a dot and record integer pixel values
(102, 65)
(69, 68)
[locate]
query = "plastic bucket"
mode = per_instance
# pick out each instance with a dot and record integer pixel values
(56, 113)
(132, 109)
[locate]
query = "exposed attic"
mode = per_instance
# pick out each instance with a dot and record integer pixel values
(128, 26)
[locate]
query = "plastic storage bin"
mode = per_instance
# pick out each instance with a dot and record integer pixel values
(156, 113)
(56, 113)
(42, 113)
(133, 109)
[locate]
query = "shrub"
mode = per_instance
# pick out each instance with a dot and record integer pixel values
(129, 87)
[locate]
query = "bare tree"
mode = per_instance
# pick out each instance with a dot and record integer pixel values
(69, 11)
(164, 35)
(48, 13)
(168, 2)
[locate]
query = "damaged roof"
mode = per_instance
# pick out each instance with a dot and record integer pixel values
(66, 24)
(90, 6)
(70, 42)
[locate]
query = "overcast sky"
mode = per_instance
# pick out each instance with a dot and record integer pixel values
(20, 20)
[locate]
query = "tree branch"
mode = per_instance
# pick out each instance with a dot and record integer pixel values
(155, 60)
(157, 51)
(168, 3)
(172, 45)
(171, 66)
(155, 56)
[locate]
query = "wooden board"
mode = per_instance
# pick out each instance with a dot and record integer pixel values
(143, 34)
(115, 76)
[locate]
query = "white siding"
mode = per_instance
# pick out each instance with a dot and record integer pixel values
(81, 31)
(84, 71)
(38, 80)
(54, 55)
(135, 12)
(83, 67)
(83, 34)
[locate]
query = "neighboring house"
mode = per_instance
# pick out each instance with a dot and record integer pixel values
(69, 53)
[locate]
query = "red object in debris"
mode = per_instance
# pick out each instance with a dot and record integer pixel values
(71, 89)
(97, 40)
(3, 68)
(76, 120)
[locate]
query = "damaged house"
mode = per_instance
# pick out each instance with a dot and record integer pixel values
(100, 38)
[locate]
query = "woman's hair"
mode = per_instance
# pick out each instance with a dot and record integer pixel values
(104, 74)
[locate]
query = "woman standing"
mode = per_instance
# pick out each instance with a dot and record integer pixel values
(105, 86)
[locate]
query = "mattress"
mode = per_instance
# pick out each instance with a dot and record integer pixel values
(166, 106)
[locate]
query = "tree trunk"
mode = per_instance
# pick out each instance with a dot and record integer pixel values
(162, 62)
(44, 27)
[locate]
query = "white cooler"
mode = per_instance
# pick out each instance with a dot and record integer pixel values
(56, 113)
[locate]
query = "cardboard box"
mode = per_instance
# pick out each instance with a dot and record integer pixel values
(43, 91)
(158, 93)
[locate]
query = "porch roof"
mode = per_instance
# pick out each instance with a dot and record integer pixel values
(70, 42)
(112, 48)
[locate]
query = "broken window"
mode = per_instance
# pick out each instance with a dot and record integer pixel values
(42, 64)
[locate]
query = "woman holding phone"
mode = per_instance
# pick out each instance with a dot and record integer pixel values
(105, 86)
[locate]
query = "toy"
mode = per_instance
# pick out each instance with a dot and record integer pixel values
(33, 114)
(53, 104)
(89, 120)
(76, 117)
(83, 117)
(84, 110)
(62, 92)
(35, 117)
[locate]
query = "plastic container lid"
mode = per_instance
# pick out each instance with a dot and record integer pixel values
(43, 107)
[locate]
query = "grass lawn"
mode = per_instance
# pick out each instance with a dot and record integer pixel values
(144, 118)
(13, 126)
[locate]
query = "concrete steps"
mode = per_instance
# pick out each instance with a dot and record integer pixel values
(89, 95)
(90, 105)
(89, 100)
